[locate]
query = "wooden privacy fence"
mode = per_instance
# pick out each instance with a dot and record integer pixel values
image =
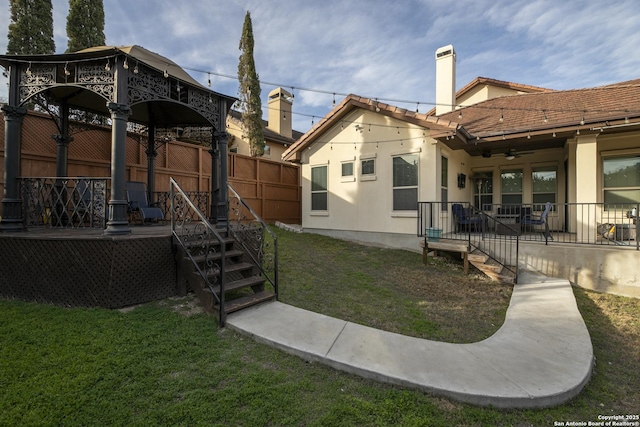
(271, 188)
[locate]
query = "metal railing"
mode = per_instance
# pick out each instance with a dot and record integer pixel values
(577, 223)
(255, 236)
(496, 238)
(199, 198)
(67, 202)
(203, 244)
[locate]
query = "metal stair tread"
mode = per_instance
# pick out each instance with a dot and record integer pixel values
(248, 301)
(239, 284)
(229, 254)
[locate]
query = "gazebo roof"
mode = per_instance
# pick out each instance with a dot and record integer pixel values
(162, 91)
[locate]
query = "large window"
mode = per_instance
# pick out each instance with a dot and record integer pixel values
(405, 182)
(483, 191)
(319, 188)
(544, 183)
(511, 187)
(621, 180)
(444, 182)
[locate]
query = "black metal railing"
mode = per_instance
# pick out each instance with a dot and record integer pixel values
(203, 244)
(255, 236)
(460, 221)
(579, 223)
(199, 198)
(68, 202)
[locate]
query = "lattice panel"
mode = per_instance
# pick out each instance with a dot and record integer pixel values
(91, 144)
(245, 168)
(183, 158)
(107, 273)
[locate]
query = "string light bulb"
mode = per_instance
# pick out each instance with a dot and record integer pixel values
(166, 73)
(125, 65)
(28, 72)
(501, 119)
(108, 66)
(135, 69)
(66, 70)
(209, 79)
(545, 119)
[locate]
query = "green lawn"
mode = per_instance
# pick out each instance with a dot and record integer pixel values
(155, 366)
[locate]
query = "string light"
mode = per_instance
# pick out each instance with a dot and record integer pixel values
(28, 72)
(545, 119)
(135, 69)
(125, 65)
(66, 71)
(209, 79)
(501, 117)
(108, 66)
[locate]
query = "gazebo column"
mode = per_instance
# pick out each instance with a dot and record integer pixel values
(118, 222)
(215, 181)
(151, 153)
(12, 201)
(62, 141)
(222, 139)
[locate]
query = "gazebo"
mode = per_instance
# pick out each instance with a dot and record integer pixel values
(128, 85)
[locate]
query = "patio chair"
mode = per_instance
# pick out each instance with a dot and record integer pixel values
(465, 218)
(139, 202)
(529, 221)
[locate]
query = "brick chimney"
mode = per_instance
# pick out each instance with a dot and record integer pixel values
(280, 112)
(445, 80)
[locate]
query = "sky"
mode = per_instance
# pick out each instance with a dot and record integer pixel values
(376, 48)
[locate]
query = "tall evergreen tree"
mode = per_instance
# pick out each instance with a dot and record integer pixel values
(85, 24)
(249, 92)
(31, 28)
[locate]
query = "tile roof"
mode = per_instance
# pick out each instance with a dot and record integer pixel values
(269, 135)
(480, 81)
(546, 111)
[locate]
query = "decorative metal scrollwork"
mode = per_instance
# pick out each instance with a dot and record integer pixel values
(146, 86)
(95, 78)
(36, 78)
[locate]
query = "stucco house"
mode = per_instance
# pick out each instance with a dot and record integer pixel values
(368, 166)
(278, 133)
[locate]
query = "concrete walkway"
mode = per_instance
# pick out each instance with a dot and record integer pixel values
(542, 355)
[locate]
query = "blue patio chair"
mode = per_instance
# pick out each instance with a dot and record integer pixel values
(529, 221)
(139, 202)
(465, 219)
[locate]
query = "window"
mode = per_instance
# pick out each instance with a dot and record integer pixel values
(544, 184)
(369, 167)
(483, 191)
(347, 169)
(319, 188)
(621, 180)
(405, 182)
(511, 185)
(267, 150)
(444, 182)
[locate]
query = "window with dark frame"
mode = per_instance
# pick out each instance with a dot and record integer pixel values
(319, 194)
(405, 182)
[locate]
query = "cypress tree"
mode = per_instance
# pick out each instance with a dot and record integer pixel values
(85, 24)
(31, 28)
(249, 92)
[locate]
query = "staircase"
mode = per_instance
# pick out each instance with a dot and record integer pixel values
(200, 265)
(229, 268)
(492, 268)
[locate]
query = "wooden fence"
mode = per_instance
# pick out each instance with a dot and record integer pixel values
(271, 188)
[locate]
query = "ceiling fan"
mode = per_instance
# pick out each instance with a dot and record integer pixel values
(513, 154)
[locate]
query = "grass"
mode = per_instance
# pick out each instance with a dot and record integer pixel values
(154, 365)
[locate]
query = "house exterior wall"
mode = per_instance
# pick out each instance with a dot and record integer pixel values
(360, 205)
(483, 93)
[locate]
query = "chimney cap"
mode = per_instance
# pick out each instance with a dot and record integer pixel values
(445, 51)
